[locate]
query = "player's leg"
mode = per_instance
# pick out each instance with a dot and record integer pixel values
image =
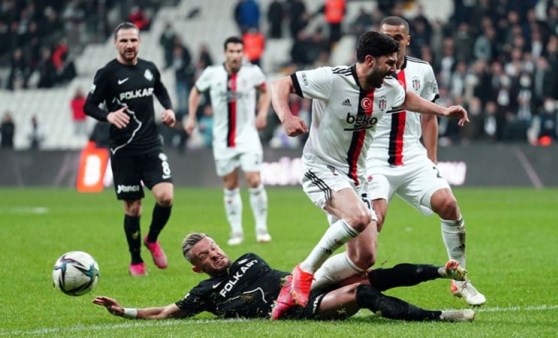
(429, 192)
(444, 203)
(157, 176)
(395, 308)
(251, 165)
(406, 274)
(233, 207)
(333, 193)
(127, 184)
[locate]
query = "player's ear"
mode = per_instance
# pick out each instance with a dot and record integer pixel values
(196, 269)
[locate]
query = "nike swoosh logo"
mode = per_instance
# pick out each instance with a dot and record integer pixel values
(216, 285)
(122, 81)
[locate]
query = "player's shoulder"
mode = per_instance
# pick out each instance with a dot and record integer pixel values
(143, 63)
(341, 70)
(417, 63)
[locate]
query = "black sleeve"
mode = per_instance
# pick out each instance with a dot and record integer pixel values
(193, 303)
(96, 96)
(161, 91)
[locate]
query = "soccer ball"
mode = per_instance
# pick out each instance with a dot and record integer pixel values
(75, 273)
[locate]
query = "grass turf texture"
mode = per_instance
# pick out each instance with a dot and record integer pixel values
(512, 259)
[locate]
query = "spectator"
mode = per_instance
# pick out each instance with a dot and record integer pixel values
(204, 58)
(36, 135)
(254, 45)
(78, 114)
(166, 40)
(19, 71)
(138, 17)
(205, 126)
(298, 17)
(47, 72)
(183, 74)
(275, 16)
(247, 15)
(7, 131)
(334, 12)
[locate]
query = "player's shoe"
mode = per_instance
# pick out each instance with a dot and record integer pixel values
(300, 289)
(159, 257)
(138, 270)
(467, 291)
(455, 271)
(284, 301)
(262, 236)
(235, 239)
(465, 315)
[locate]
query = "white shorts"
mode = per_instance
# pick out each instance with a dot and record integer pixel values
(248, 161)
(414, 183)
(319, 181)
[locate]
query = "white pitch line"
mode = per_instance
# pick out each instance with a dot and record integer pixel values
(167, 323)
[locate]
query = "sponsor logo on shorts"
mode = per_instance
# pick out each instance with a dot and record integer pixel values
(127, 188)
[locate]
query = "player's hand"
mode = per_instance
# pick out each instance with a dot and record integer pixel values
(168, 118)
(295, 126)
(110, 304)
(261, 121)
(190, 125)
(459, 112)
(119, 118)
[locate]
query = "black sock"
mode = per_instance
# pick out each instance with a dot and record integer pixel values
(133, 236)
(391, 307)
(160, 217)
(402, 275)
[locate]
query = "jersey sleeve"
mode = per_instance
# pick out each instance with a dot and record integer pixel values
(430, 91)
(204, 81)
(161, 91)
(193, 303)
(97, 95)
(258, 77)
(313, 84)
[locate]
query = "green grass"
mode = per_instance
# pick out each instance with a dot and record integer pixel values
(512, 259)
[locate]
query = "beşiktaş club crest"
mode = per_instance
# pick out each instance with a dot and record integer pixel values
(415, 83)
(382, 103)
(148, 75)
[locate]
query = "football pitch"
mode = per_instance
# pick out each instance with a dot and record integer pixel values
(512, 252)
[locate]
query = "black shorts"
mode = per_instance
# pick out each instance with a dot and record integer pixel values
(129, 171)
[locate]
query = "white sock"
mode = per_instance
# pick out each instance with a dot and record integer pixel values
(334, 270)
(335, 236)
(453, 234)
(258, 202)
(233, 209)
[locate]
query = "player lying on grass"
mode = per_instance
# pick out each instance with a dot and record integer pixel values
(247, 288)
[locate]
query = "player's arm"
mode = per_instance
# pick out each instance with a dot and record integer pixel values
(264, 101)
(163, 312)
(280, 91)
(429, 125)
(193, 104)
(416, 103)
(168, 117)
(96, 96)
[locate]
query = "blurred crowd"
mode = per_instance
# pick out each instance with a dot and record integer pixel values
(498, 58)
(39, 39)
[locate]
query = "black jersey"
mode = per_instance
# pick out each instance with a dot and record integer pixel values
(248, 290)
(119, 85)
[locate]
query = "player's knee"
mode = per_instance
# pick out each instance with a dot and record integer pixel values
(448, 209)
(364, 259)
(359, 220)
(133, 209)
(165, 199)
